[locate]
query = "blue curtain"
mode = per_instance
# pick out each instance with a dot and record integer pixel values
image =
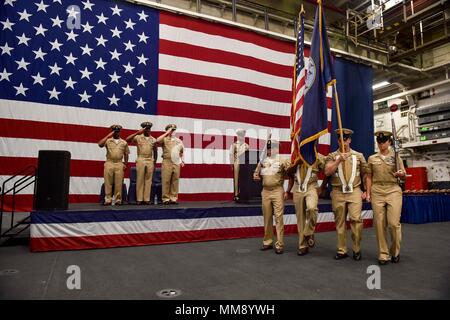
(354, 86)
(425, 208)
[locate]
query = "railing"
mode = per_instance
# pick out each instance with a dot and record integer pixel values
(28, 177)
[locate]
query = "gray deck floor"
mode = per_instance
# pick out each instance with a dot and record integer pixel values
(234, 269)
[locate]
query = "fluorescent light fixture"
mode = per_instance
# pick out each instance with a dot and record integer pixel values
(380, 84)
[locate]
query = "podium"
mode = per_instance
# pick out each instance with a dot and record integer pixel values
(249, 190)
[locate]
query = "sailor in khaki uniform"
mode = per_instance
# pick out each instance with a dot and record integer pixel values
(172, 161)
(116, 150)
(237, 149)
(306, 197)
(272, 169)
(347, 170)
(384, 192)
(145, 162)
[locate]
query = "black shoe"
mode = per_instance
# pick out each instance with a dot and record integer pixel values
(340, 256)
(166, 203)
(173, 202)
(357, 256)
(383, 262)
(395, 259)
(236, 198)
(279, 251)
(107, 203)
(147, 203)
(302, 251)
(266, 247)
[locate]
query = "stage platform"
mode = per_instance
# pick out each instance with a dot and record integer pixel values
(91, 226)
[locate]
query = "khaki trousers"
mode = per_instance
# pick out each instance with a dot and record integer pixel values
(387, 208)
(113, 174)
(306, 211)
(170, 177)
(236, 178)
(351, 204)
(273, 204)
(144, 175)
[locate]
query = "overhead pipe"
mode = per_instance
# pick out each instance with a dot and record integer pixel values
(329, 7)
(439, 65)
(412, 91)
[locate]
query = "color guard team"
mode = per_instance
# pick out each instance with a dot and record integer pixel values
(352, 180)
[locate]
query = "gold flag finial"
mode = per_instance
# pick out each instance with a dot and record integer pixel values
(302, 10)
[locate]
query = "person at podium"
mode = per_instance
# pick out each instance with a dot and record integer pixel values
(271, 170)
(237, 149)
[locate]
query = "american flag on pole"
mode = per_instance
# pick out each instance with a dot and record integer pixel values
(70, 69)
(300, 85)
(318, 95)
(298, 91)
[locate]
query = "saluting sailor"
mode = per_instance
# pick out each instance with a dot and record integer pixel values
(173, 150)
(384, 192)
(116, 151)
(347, 170)
(237, 149)
(145, 162)
(306, 198)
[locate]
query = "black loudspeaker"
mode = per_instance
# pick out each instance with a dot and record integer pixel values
(52, 183)
(249, 190)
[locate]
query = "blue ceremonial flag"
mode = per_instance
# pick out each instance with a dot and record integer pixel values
(320, 77)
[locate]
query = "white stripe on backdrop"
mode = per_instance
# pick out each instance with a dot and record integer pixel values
(222, 99)
(203, 39)
(223, 71)
(29, 148)
(89, 185)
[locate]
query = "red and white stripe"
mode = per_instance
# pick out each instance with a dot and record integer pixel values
(298, 110)
(90, 235)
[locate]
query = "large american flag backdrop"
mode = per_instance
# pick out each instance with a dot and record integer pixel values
(70, 69)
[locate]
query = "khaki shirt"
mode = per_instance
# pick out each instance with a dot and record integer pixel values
(273, 170)
(317, 167)
(144, 146)
(382, 168)
(116, 151)
(361, 168)
(236, 150)
(172, 149)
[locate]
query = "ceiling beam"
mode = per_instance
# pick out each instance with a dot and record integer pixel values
(328, 6)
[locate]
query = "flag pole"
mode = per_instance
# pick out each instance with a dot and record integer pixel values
(301, 13)
(338, 112)
(341, 136)
(294, 83)
(338, 109)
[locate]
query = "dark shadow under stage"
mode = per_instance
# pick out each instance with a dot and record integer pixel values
(89, 226)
